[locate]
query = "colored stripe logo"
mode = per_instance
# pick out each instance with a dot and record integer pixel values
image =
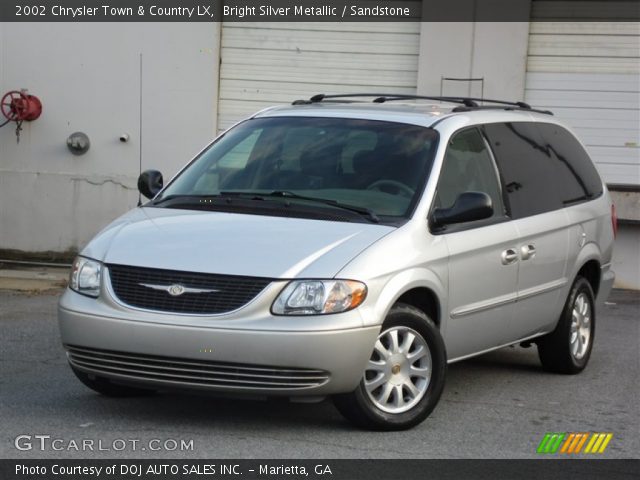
(574, 442)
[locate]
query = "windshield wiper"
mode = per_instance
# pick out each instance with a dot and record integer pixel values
(185, 198)
(363, 211)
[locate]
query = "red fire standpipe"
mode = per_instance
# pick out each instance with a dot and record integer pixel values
(20, 106)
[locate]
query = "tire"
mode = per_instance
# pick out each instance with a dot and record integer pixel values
(107, 388)
(388, 375)
(568, 348)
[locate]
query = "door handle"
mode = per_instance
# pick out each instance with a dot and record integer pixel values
(527, 252)
(509, 256)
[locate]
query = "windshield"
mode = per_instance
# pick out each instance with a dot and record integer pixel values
(374, 167)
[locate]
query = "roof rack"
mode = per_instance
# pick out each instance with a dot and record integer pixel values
(466, 103)
(384, 97)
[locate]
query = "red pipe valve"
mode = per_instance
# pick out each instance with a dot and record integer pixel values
(20, 106)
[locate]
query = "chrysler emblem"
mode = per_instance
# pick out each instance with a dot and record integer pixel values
(176, 289)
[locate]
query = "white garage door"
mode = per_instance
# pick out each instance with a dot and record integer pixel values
(588, 74)
(263, 64)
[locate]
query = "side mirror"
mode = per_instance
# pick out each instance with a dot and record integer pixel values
(150, 183)
(468, 207)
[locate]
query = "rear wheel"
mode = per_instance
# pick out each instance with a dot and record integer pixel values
(105, 387)
(567, 349)
(404, 377)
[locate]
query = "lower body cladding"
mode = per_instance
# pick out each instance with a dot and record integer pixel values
(262, 363)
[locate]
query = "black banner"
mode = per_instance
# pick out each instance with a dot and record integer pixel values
(401, 469)
(316, 10)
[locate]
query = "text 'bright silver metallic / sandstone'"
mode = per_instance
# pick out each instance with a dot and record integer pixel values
(351, 249)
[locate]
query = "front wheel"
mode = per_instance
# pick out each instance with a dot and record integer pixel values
(567, 349)
(404, 377)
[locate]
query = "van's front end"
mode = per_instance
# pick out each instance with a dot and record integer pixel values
(209, 300)
(227, 279)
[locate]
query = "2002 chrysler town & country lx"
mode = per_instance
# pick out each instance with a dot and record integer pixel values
(350, 249)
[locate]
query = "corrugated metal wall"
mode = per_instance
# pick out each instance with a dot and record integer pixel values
(588, 74)
(263, 64)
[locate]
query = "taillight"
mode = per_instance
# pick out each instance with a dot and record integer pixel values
(614, 220)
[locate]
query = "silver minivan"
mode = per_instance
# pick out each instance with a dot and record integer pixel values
(349, 248)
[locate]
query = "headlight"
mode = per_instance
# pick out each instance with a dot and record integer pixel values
(316, 297)
(85, 276)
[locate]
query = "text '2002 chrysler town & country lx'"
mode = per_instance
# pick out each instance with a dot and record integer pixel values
(349, 249)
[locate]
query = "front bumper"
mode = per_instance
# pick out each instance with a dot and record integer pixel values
(121, 347)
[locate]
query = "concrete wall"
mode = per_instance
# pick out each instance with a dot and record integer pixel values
(627, 204)
(626, 254)
(494, 51)
(87, 76)
(626, 257)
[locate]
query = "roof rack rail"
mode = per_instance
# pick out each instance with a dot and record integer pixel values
(498, 107)
(469, 103)
(466, 103)
(383, 97)
(321, 96)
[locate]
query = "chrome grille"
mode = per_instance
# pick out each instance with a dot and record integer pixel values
(194, 372)
(229, 292)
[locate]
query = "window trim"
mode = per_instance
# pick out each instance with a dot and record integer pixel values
(506, 203)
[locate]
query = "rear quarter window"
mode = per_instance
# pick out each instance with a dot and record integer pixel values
(577, 175)
(543, 166)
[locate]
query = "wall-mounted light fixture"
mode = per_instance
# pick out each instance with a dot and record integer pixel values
(78, 143)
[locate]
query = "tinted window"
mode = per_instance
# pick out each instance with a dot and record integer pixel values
(468, 167)
(528, 172)
(381, 166)
(578, 178)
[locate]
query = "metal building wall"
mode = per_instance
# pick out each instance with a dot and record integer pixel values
(274, 62)
(588, 74)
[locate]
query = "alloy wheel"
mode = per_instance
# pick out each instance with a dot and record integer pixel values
(398, 373)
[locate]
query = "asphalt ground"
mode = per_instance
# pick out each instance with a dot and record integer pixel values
(498, 405)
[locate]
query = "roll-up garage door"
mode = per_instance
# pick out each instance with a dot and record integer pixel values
(588, 74)
(263, 64)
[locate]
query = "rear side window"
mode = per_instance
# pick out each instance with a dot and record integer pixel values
(528, 172)
(544, 167)
(578, 177)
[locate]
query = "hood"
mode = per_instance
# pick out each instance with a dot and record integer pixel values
(231, 243)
